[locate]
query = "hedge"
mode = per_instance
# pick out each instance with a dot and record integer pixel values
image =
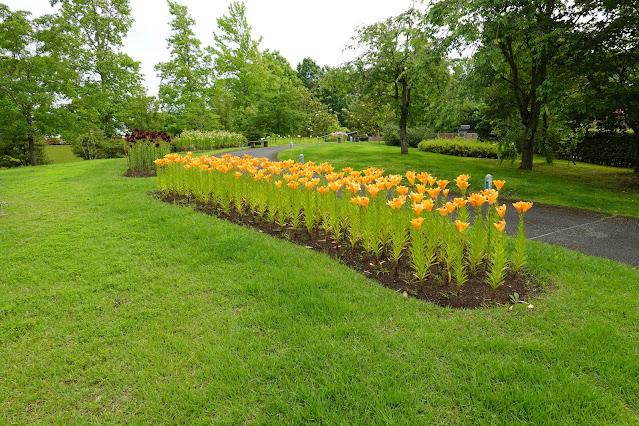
(459, 147)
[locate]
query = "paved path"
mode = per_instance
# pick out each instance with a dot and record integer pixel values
(585, 231)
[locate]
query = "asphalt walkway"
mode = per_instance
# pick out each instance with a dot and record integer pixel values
(588, 232)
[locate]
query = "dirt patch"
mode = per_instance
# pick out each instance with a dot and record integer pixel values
(475, 293)
(136, 173)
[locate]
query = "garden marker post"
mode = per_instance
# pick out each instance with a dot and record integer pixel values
(291, 144)
(488, 182)
(301, 158)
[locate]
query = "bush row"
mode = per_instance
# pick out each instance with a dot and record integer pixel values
(459, 147)
(608, 148)
(197, 140)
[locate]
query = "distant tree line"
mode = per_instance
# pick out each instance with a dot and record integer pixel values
(548, 77)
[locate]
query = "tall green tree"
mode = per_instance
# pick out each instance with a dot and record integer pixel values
(400, 61)
(108, 76)
(34, 76)
(236, 61)
(259, 91)
(523, 41)
(310, 74)
(186, 79)
(607, 53)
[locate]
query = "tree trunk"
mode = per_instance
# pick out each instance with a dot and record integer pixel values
(636, 151)
(403, 118)
(30, 140)
(32, 152)
(530, 120)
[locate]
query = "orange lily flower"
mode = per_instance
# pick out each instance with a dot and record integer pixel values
(363, 201)
(501, 210)
(433, 192)
(417, 222)
(443, 210)
(442, 183)
(332, 177)
(450, 207)
(278, 183)
(462, 184)
(335, 186)
(445, 192)
(500, 225)
(355, 200)
(487, 192)
(187, 166)
(499, 184)
(293, 184)
(418, 208)
(431, 180)
(388, 184)
(460, 202)
(410, 175)
(353, 188)
(421, 188)
(416, 197)
(402, 190)
(522, 206)
(268, 177)
(461, 226)
(322, 189)
(492, 198)
(423, 177)
(372, 190)
(476, 200)
(396, 203)
(428, 204)
(238, 174)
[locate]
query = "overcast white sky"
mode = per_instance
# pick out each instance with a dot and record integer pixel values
(297, 28)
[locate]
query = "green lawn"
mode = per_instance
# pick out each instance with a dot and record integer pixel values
(60, 154)
(606, 189)
(116, 307)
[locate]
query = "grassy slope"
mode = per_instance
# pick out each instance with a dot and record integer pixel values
(583, 185)
(60, 154)
(117, 307)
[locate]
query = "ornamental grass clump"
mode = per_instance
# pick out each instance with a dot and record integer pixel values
(143, 148)
(418, 233)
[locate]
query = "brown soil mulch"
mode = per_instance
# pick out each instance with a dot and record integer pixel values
(140, 173)
(475, 293)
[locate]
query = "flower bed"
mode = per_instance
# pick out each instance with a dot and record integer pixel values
(142, 148)
(405, 231)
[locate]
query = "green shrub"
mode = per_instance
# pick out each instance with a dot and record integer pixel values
(390, 134)
(459, 147)
(605, 147)
(413, 135)
(198, 140)
(14, 152)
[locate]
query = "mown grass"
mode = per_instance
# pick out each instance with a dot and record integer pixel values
(60, 154)
(587, 186)
(116, 307)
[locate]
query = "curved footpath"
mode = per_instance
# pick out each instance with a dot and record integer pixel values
(592, 233)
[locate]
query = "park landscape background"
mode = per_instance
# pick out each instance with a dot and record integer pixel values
(116, 307)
